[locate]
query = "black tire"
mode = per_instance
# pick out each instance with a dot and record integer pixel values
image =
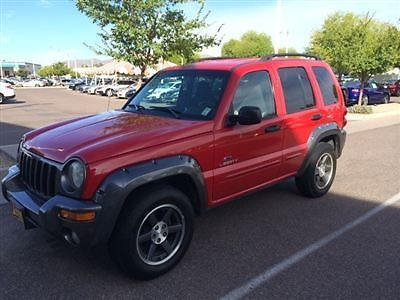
(365, 100)
(2, 98)
(309, 184)
(141, 217)
(109, 92)
(386, 99)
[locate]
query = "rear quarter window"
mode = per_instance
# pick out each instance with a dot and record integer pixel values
(326, 85)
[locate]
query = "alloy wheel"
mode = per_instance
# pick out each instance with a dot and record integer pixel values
(323, 170)
(160, 234)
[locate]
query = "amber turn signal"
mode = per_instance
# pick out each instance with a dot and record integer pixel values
(79, 216)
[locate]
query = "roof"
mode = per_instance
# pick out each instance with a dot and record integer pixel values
(227, 64)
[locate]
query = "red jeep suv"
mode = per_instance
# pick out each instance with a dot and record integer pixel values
(191, 138)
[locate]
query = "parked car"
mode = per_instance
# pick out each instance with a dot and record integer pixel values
(394, 87)
(112, 89)
(135, 178)
(127, 91)
(76, 83)
(374, 93)
(6, 91)
(65, 81)
(33, 83)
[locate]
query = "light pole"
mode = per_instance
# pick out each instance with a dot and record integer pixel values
(277, 25)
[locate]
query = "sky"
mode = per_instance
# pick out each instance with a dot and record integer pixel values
(47, 31)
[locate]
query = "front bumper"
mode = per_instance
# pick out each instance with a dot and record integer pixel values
(35, 212)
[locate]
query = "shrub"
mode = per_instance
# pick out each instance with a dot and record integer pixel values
(360, 109)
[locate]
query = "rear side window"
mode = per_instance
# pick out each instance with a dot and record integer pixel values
(255, 89)
(326, 85)
(296, 89)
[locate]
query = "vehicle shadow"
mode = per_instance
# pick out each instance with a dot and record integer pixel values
(12, 101)
(231, 244)
(11, 133)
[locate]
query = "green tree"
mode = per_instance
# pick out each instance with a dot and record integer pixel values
(358, 45)
(57, 69)
(290, 50)
(251, 44)
(45, 71)
(180, 60)
(22, 73)
(144, 31)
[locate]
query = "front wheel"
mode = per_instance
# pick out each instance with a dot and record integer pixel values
(109, 93)
(318, 177)
(153, 233)
(2, 98)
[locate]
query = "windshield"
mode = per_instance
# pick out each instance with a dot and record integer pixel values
(186, 94)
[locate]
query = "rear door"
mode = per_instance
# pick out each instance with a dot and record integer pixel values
(248, 156)
(302, 116)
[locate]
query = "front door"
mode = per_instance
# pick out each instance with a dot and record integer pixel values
(247, 156)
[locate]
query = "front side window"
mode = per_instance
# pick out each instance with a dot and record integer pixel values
(186, 94)
(326, 85)
(296, 89)
(255, 89)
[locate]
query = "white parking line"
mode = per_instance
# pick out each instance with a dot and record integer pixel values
(264, 277)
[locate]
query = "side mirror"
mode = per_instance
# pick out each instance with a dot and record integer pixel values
(248, 115)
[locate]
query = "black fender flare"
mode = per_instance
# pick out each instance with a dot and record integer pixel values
(317, 135)
(115, 189)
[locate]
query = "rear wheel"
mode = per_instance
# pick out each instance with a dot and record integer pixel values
(318, 177)
(153, 234)
(386, 99)
(2, 98)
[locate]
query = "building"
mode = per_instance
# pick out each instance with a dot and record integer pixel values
(8, 69)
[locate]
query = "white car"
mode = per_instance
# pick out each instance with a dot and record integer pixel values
(168, 87)
(33, 83)
(123, 93)
(6, 92)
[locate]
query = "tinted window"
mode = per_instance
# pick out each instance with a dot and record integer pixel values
(326, 85)
(255, 89)
(296, 89)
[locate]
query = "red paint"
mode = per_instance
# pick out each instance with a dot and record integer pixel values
(109, 141)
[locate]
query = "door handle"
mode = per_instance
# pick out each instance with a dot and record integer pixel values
(316, 117)
(272, 128)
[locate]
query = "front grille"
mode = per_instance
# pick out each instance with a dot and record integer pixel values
(39, 175)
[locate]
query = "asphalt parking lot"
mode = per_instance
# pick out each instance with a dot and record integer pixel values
(273, 244)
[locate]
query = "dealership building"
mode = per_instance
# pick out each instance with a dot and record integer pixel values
(8, 69)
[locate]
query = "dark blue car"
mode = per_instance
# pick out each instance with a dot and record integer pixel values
(373, 93)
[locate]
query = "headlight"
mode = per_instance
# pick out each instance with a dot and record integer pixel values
(76, 174)
(73, 176)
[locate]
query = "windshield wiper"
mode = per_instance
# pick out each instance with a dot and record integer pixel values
(167, 109)
(136, 107)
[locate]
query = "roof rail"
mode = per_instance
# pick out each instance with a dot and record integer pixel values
(271, 56)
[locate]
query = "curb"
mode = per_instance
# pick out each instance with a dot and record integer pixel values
(361, 117)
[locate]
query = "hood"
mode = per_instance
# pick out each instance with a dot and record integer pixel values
(101, 136)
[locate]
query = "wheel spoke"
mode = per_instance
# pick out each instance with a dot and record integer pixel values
(151, 251)
(153, 220)
(144, 237)
(167, 215)
(167, 246)
(316, 171)
(174, 228)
